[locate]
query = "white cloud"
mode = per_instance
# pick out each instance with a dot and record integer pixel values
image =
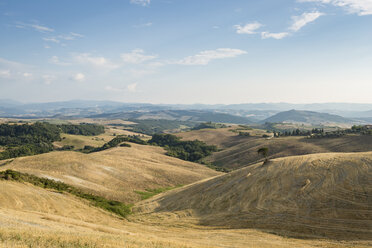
(137, 56)
(141, 2)
(360, 7)
(5, 73)
(77, 35)
(70, 36)
(41, 28)
(249, 28)
(204, 57)
(27, 74)
(36, 27)
(51, 39)
(101, 62)
(48, 79)
(57, 39)
(304, 19)
(132, 87)
(277, 36)
(79, 77)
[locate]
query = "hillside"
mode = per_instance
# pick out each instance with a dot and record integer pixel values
(237, 151)
(34, 217)
(115, 173)
(307, 117)
(323, 195)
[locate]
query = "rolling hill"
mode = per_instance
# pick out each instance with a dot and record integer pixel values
(180, 115)
(115, 173)
(239, 151)
(313, 196)
(308, 117)
(34, 217)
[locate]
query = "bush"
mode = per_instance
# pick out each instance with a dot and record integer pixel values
(125, 145)
(246, 134)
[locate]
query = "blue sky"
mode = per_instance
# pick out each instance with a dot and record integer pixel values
(186, 51)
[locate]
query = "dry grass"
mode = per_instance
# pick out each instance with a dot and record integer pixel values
(238, 151)
(35, 217)
(115, 173)
(313, 196)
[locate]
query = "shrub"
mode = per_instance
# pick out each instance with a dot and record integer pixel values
(125, 145)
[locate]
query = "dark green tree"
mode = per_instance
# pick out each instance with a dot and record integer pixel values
(264, 152)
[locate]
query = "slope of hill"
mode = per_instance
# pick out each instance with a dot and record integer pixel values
(308, 117)
(34, 217)
(239, 151)
(322, 195)
(115, 173)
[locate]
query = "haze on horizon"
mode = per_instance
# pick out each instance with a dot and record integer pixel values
(210, 51)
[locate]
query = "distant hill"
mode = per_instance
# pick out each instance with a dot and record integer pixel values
(180, 115)
(254, 111)
(308, 117)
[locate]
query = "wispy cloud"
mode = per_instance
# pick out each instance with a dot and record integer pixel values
(204, 57)
(100, 62)
(63, 37)
(137, 56)
(249, 28)
(141, 2)
(36, 27)
(277, 36)
(143, 25)
(304, 19)
(51, 39)
(77, 35)
(360, 7)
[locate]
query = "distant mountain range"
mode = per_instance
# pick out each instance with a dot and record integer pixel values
(237, 113)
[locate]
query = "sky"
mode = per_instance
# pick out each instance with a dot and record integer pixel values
(186, 51)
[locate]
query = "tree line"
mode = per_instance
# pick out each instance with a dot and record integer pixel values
(192, 151)
(37, 138)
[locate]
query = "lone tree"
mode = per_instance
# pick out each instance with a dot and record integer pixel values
(264, 151)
